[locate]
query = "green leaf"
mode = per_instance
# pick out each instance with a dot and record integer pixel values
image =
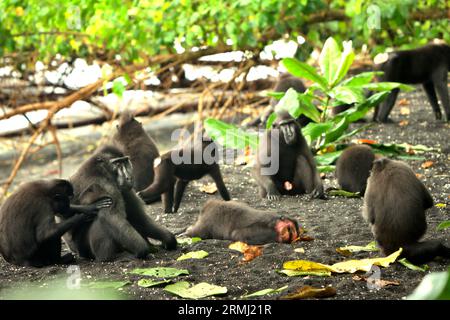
(303, 70)
(411, 266)
(193, 255)
(229, 135)
(308, 108)
(443, 225)
(347, 94)
(353, 132)
(329, 59)
(370, 247)
(434, 286)
(295, 273)
(314, 130)
(343, 193)
(107, 284)
(265, 292)
(328, 158)
(160, 272)
(387, 86)
(326, 169)
(361, 79)
(188, 241)
(346, 61)
(289, 103)
(185, 290)
(360, 110)
(270, 120)
(147, 283)
(118, 88)
(337, 131)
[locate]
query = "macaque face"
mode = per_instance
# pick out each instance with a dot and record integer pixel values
(287, 231)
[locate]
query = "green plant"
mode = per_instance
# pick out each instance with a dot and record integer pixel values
(330, 88)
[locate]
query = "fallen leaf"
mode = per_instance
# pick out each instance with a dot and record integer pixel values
(264, 292)
(193, 255)
(188, 241)
(403, 123)
(440, 205)
(186, 290)
(209, 188)
(147, 283)
(344, 193)
(250, 252)
(419, 175)
(411, 266)
(365, 141)
(306, 292)
(348, 250)
(349, 266)
(299, 250)
(443, 225)
(294, 273)
(304, 237)
(380, 283)
(404, 111)
(160, 272)
(403, 102)
(427, 164)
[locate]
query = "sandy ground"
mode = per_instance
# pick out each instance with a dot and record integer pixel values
(333, 223)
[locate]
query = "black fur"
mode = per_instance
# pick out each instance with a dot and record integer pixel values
(428, 66)
(134, 142)
(394, 205)
(172, 178)
(296, 162)
(124, 227)
(353, 168)
(236, 221)
(29, 234)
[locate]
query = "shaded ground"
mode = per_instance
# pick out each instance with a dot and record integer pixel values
(333, 223)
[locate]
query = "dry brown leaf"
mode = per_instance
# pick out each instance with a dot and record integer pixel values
(377, 282)
(427, 164)
(250, 252)
(209, 188)
(366, 141)
(403, 123)
(306, 292)
(403, 102)
(419, 175)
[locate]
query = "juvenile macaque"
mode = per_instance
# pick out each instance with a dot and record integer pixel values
(237, 221)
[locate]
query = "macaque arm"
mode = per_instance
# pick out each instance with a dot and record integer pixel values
(49, 229)
(163, 180)
(217, 177)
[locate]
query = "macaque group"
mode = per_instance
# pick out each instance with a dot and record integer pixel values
(100, 210)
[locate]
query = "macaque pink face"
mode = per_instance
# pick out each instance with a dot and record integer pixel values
(286, 231)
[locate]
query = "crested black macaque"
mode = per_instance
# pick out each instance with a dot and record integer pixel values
(428, 66)
(237, 221)
(394, 205)
(176, 168)
(124, 228)
(29, 234)
(284, 163)
(283, 84)
(135, 143)
(353, 168)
